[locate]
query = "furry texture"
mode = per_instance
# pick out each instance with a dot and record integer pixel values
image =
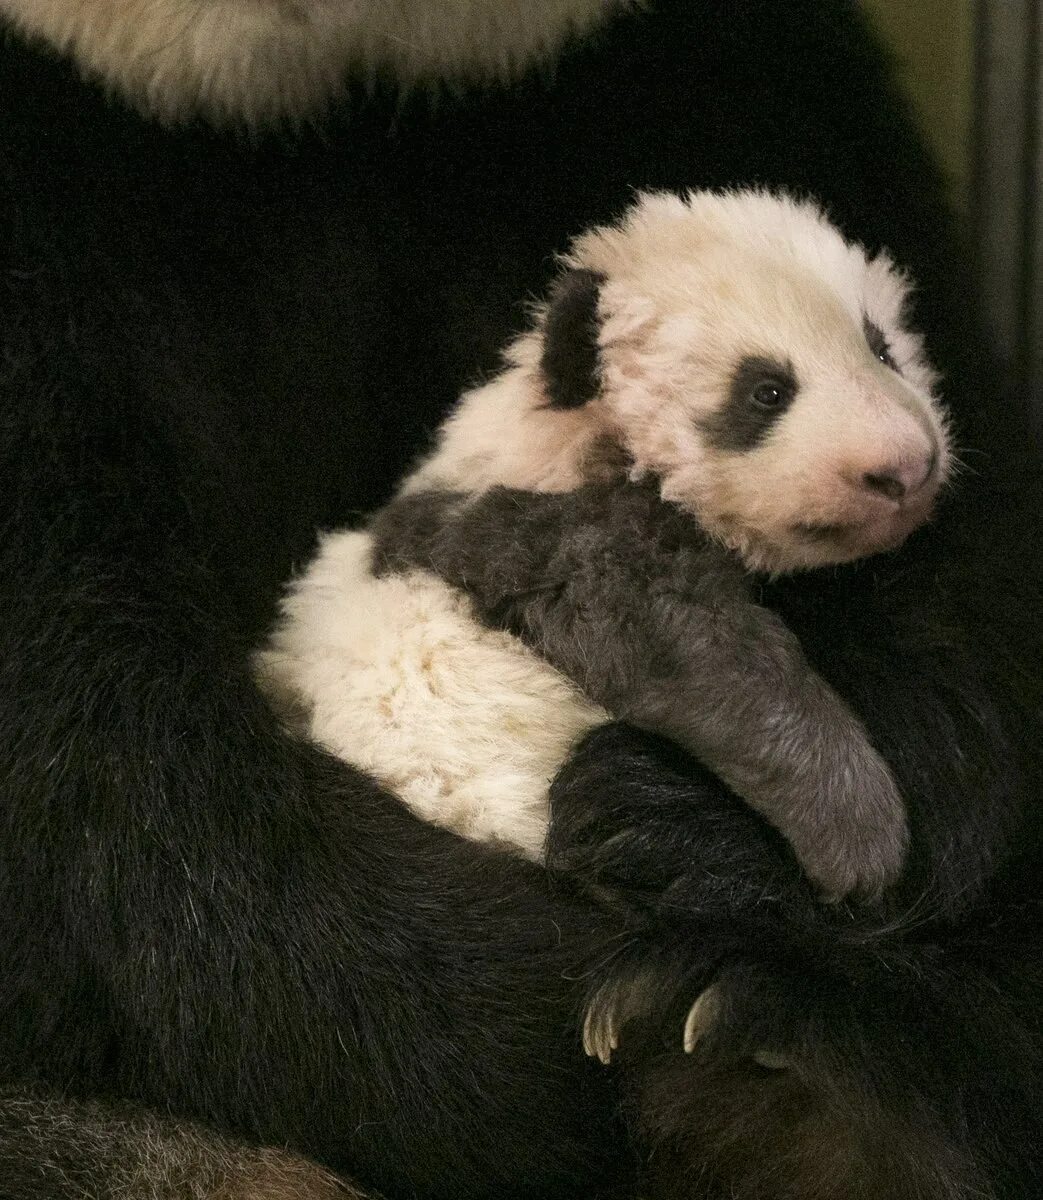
(835, 1056)
(649, 361)
(701, 298)
(74, 1150)
(625, 595)
(204, 360)
(466, 725)
(256, 61)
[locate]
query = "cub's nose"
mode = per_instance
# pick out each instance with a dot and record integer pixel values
(899, 480)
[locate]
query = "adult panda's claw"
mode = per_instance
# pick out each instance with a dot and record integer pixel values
(614, 1004)
(700, 1017)
(597, 1043)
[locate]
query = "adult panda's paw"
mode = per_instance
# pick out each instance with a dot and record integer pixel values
(810, 1081)
(628, 996)
(636, 996)
(640, 993)
(643, 1006)
(644, 829)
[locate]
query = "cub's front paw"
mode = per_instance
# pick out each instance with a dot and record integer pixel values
(854, 839)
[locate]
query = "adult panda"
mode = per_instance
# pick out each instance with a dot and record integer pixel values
(203, 362)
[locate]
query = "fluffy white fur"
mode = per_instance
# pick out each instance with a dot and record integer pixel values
(693, 284)
(256, 60)
(465, 724)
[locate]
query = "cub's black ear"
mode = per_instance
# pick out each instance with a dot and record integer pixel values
(570, 340)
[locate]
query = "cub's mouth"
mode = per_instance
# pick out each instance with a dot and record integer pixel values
(825, 531)
(855, 531)
(857, 538)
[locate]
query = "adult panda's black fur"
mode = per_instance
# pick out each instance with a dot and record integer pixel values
(210, 349)
(843, 1055)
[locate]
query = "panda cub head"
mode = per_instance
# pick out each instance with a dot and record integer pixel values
(735, 347)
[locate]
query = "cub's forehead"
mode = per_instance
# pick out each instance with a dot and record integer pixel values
(756, 249)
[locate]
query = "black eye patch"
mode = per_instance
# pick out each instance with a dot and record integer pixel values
(878, 343)
(761, 390)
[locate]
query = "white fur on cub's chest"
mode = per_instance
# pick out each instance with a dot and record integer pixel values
(394, 674)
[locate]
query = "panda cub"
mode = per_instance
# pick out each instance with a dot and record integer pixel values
(720, 387)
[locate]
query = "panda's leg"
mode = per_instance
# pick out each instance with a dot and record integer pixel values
(55, 1148)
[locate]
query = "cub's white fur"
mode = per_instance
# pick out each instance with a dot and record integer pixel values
(465, 724)
(255, 60)
(468, 726)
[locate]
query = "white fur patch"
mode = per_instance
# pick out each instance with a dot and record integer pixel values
(258, 60)
(502, 434)
(395, 675)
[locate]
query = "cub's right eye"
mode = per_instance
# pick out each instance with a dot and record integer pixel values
(759, 392)
(771, 393)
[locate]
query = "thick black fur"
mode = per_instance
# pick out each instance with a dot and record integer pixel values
(880, 1015)
(903, 1051)
(210, 349)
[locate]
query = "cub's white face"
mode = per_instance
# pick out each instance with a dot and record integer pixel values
(736, 348)
(758, 365)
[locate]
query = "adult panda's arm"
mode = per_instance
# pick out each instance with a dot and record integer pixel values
(199, 912)
(890, 1053)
